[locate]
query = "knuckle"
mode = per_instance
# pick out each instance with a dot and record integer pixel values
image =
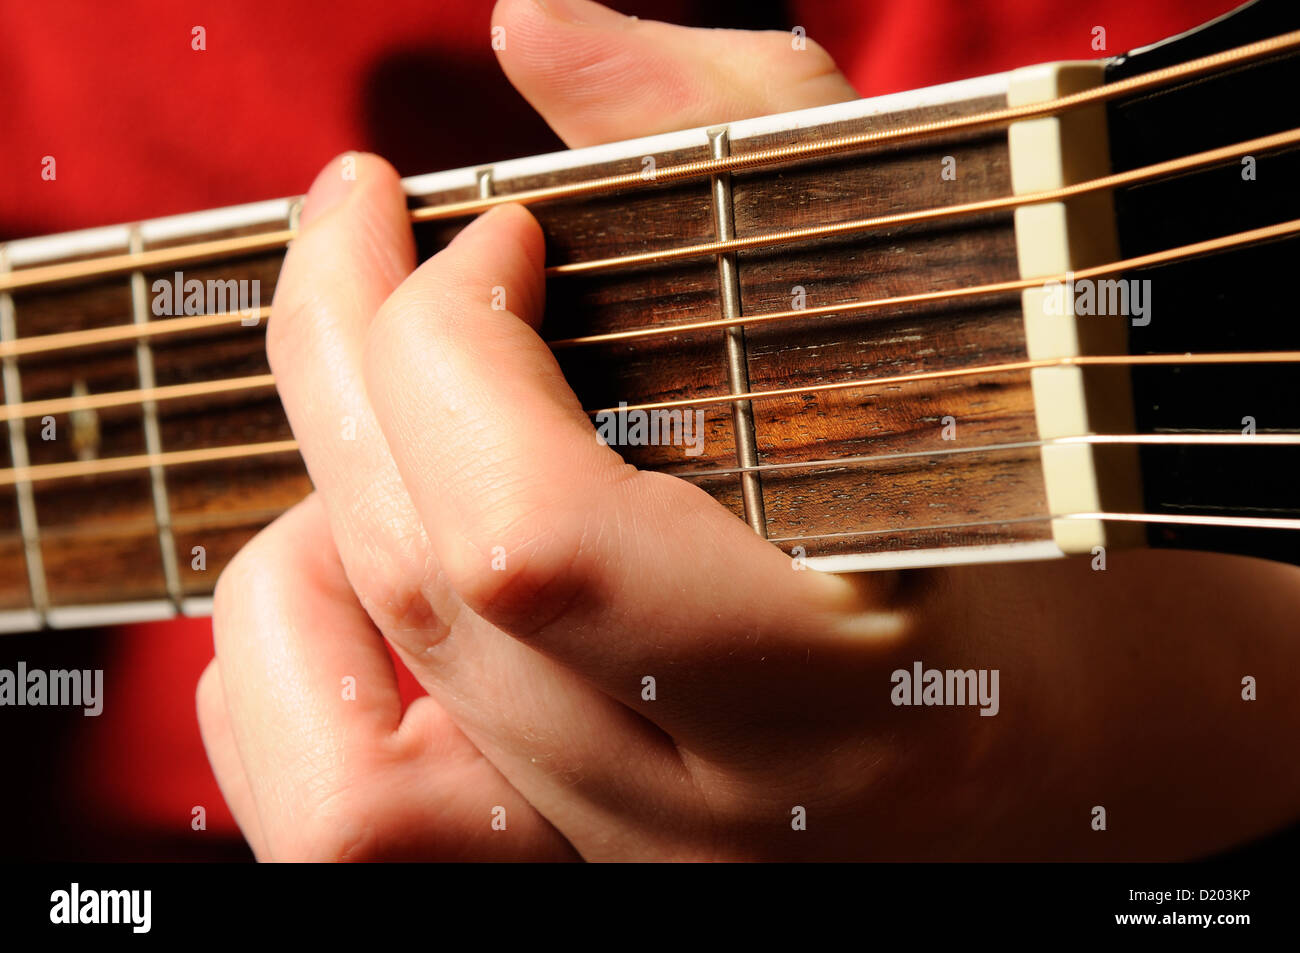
(243, 576)
(822, 60)
(395, 592)
(812, 62)
(331, 828)
(527, 577)
(234, 583)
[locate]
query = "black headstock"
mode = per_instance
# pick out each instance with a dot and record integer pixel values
(1238, 301)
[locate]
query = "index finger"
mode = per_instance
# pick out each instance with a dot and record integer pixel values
(540, 528)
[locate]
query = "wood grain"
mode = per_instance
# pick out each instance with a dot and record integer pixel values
(99, 535)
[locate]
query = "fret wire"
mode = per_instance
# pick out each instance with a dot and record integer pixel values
(1262, 145)
(28, 524)
(153, 432)
(1268, 233)
(55, 274)
(733, 342)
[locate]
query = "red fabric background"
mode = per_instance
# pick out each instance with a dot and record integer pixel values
(141, 125)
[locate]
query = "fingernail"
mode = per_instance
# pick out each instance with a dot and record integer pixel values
(333, 184)
(584, 12)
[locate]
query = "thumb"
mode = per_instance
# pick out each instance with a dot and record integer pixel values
(598, 76)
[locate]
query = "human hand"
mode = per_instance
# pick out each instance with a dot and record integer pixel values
(772, 686)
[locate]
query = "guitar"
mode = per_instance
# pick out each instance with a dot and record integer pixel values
(1020, 317)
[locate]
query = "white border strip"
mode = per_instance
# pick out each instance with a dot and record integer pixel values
(929, 558)
(109, 613)
(445, 181)
(14, 621)
(270, 212)
(197, 607)
(90, 241)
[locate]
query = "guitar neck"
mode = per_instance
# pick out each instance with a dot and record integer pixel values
(148, 541)
(893, 394)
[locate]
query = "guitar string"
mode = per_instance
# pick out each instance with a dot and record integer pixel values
(246, 244)
(1182, 252)
(55, 471)
(196, 522)
(204, 521)
(1169, 168)
(1261, 438)
(18, 411)
(68, 340)
(128, 398)
(117, 333)
(215, 453)
(87, 402)
(199, 522)
(1085, 360)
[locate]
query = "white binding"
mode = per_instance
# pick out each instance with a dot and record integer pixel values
(929, 558)
(109, 613)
